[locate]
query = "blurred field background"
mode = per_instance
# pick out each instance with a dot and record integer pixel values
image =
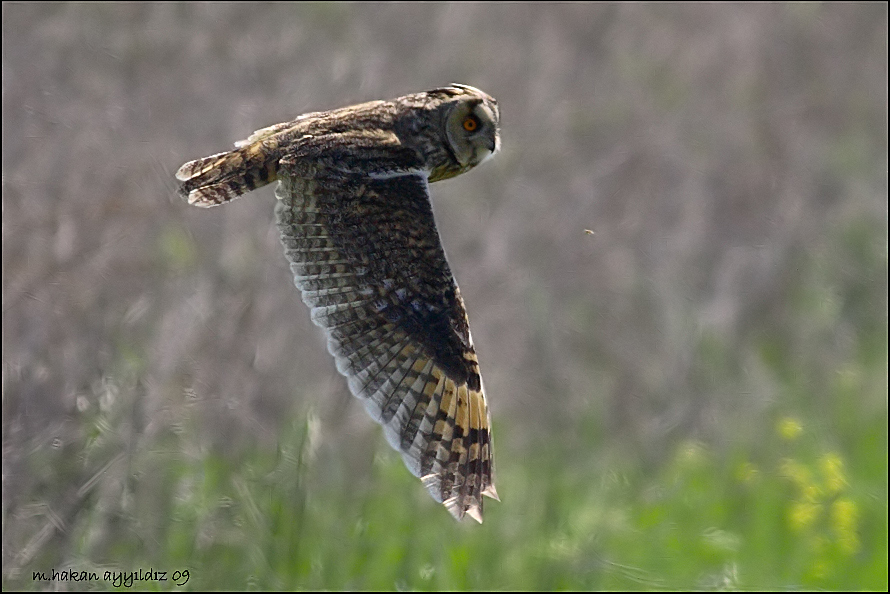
(693, 396)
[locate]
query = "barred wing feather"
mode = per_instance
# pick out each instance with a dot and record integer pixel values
(366, 255)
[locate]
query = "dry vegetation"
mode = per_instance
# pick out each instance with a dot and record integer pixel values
(731, 161)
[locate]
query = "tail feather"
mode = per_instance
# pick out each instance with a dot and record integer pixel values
(222, 177)
(199, 166)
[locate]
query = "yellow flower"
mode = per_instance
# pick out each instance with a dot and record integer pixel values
(832, 467)
(844, 519)
(811, 493)
(803, 514)
(789, 428)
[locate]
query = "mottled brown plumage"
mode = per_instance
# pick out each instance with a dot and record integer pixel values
(357, 226)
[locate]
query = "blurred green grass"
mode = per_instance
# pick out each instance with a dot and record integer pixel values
(792, 511)
(787, 500)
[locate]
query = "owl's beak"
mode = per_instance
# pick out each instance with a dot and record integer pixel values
(487, 153)
(495, 144)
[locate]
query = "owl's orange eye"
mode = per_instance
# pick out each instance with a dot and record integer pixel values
(470, 124)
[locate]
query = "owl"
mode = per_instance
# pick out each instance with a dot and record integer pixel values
(353, 209)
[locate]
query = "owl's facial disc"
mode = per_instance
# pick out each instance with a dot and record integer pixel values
(471, 129)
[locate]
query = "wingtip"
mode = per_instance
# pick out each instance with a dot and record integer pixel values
(199, 199)
(182, 174)
(475, 513)
(459, 510)
(490, 491)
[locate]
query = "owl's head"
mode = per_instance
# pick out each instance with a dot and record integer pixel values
(470, 124)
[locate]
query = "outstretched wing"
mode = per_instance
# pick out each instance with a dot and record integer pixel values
(365, 252)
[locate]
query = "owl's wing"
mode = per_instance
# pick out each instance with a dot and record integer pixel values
(366, 255)
(220, 178)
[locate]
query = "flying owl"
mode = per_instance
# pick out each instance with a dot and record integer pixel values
(357, 226)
